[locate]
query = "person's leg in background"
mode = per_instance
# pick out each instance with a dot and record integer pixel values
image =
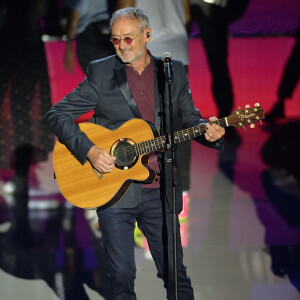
(184, 153)
(288, 83)
(215, 39)
(214, 33)
(21, 101)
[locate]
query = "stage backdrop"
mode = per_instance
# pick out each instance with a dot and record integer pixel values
(256, 66)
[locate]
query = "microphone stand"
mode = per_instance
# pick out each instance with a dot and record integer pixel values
(170, 145)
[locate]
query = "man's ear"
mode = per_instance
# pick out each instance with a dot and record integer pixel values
(148, 33)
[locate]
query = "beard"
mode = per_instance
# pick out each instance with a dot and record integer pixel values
(131, 60)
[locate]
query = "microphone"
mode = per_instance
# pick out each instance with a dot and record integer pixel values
(167, 59)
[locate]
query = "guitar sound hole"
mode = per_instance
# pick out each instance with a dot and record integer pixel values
(125, 154)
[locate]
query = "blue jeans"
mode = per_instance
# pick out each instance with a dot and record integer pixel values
(154, 218)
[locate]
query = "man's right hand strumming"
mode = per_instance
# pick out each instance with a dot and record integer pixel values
(102, 161)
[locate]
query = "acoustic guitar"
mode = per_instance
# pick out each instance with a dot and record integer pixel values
(132, 144)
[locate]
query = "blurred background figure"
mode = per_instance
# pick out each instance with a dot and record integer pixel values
(170, 20)
(213, 18)
(289, 80)
(88, 22)
(281, 182)
(24, 91)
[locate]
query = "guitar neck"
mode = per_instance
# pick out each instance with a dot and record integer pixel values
(239, 118)
(193, 132)
(180, 136)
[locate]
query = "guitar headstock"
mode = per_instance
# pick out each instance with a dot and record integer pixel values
(247, 116)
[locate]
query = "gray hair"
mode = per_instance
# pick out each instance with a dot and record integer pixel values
(131, 13)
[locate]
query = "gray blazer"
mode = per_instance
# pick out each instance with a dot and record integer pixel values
(106, 91)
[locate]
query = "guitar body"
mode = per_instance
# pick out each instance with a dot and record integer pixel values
(80, 184)
(131, 144)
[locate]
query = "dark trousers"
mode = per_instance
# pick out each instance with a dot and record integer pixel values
(154, 218)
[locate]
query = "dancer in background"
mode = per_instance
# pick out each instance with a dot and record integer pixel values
(288, 83)
(213, 18)
(24, 92)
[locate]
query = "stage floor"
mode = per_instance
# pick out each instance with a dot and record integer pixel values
(241, 238)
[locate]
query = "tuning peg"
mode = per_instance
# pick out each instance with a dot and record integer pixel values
(261, 122)
(256, 104)
(252, 125)
(244, 128)
(247, 106)
(239, 108)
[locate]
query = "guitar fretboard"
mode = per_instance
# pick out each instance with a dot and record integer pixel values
(159, 143)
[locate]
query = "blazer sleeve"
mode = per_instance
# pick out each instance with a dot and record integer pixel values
(60, 118)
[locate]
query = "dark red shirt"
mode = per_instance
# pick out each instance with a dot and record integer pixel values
(142, 89)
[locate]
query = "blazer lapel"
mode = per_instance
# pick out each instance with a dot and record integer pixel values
(120, 74)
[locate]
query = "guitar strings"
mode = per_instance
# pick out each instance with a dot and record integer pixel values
(158, 143)
(141, 147)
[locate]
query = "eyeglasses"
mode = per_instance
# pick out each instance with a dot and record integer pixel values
(128, 40)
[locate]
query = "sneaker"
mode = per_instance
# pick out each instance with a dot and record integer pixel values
(92, 219)
(17, 185)
(185, 206)
(9, 188)
(138, 237)
(277, 112)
